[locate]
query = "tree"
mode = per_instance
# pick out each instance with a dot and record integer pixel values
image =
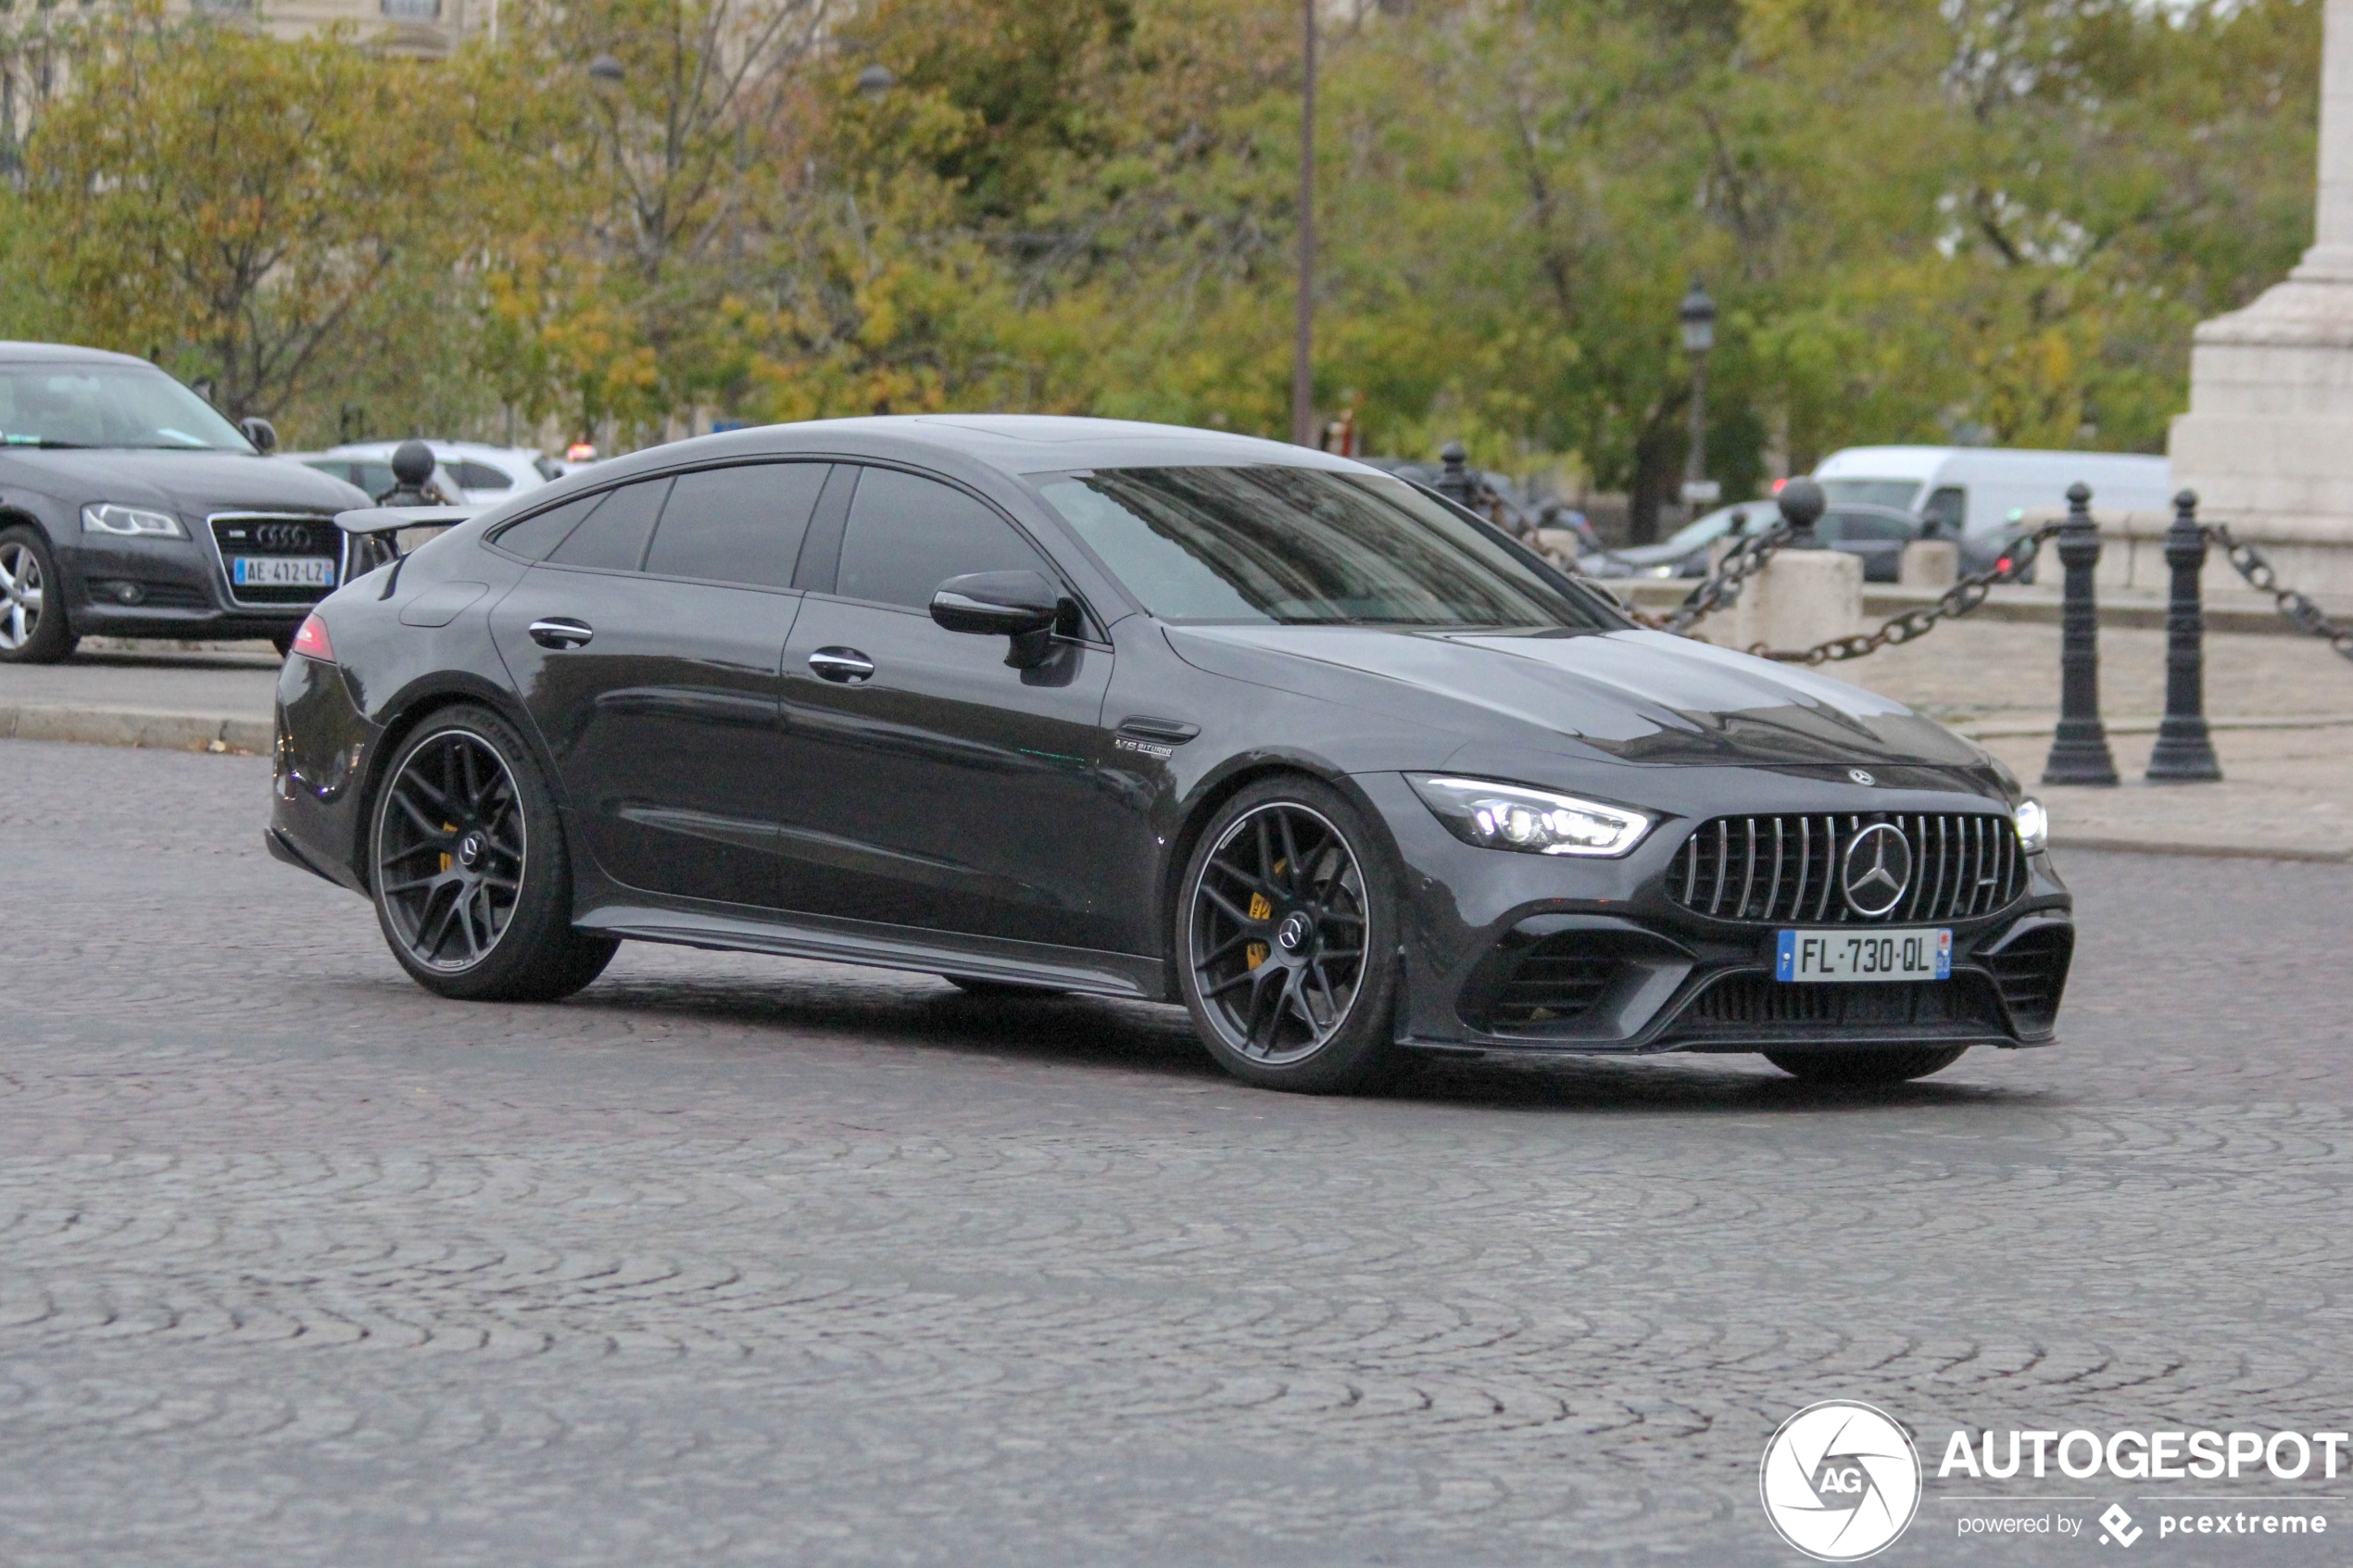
(236, 203)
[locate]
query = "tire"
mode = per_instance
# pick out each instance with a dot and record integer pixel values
(1285, 922)
(33, 628)
(1863, 1069)
(1008, 990)
(478, 909)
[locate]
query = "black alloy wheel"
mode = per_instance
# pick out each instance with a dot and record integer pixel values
(1867, 1067)
(1286, 919)
(34, 629)
(472, 883)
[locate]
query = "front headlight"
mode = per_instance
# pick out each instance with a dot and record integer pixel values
(1502, 816)
(2033, 826)
(106, 517)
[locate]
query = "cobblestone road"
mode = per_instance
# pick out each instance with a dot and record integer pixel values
(743, 1260)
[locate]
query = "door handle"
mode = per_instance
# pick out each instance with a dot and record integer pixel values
(562, 631)
(845, 665)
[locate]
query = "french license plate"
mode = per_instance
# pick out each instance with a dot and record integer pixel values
(1863, 955)
(282, 571)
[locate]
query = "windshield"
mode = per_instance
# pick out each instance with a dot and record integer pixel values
(1760, 515)
(99, 405)
(1896, 493)
(1306, 547)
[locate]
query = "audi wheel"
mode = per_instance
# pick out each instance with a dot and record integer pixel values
(34, 629)
(473, 886)
(1285, 922)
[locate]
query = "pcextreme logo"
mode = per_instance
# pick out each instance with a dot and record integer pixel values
(1841, 1481)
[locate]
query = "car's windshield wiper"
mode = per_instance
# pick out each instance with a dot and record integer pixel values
(44, 443)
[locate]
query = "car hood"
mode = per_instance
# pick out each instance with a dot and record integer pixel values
(190, 483)
(1634, 696)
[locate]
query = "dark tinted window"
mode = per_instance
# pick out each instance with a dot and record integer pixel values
(1306, 546)
(482, 476)
(907, 536)
(614, 535)
(1863, 528)
(737, 524)
(535, 537)
(1947, 510)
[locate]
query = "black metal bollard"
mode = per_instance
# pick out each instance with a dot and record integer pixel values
(1455, 480)
(1801, 502)
(2185, 751)
(2079, 752)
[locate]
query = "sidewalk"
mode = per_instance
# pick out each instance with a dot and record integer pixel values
(2282, 709)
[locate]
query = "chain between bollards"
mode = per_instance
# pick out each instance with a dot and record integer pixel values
(2079, 751)
(2185, 751)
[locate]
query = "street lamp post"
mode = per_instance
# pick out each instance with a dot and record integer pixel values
(1698, 316)
(1302, 379)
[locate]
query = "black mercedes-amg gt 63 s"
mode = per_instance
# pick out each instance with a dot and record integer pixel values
(1054, 705)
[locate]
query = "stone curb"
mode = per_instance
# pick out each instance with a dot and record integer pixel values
(112, 726)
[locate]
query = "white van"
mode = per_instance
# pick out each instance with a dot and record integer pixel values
(1986, 490)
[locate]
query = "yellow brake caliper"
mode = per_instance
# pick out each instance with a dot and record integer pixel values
(1254, 953)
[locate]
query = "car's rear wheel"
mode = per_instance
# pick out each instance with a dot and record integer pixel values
(1285, 919)
(1863, 1067)
(472, 883)
(34, 629)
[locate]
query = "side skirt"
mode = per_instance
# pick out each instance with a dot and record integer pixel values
(886, 946)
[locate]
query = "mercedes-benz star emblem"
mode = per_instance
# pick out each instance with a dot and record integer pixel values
(1860, 777)
(469, 849)
(1876, 869)
(1293, 933)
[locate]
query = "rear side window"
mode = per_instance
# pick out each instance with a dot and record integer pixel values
(535, 537)
(614, 536)
(907, 535)
(741, 524)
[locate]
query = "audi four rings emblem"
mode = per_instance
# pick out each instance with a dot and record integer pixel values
(283, 536)
(1875, 870)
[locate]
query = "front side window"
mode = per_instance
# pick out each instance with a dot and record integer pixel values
(472, 475)
(120, 406)
(1306, 546)
(907, 536)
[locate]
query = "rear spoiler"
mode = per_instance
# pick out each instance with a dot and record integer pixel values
(372, 535)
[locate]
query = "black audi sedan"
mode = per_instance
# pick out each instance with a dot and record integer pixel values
(1055, 705)
(130, 506)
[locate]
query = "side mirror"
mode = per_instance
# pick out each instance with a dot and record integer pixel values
(1020, 604)
(260, 431)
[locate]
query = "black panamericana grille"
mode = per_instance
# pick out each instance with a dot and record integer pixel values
(1786, 868)
(1556, 980)
(238, 534)
(1758, 1001)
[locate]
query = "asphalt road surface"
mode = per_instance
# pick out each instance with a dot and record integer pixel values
(737, 1260)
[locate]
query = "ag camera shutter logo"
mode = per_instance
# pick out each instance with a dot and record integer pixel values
(1841, 1481)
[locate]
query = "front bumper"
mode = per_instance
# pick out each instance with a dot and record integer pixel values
(1530, 954)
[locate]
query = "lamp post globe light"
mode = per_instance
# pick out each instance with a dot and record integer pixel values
(1697, 314)
(606, 72)
(875, 81)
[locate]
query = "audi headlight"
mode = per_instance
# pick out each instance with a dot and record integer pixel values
(1502, 816)
(106, 517)
(2033, 826)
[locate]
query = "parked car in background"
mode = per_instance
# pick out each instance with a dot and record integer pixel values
(1978, 495)
(130, 506)
(483, 475)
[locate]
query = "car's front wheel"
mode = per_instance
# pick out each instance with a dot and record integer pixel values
(472, 883)
(34, 629)
(1866, 1068)
(1285, 919)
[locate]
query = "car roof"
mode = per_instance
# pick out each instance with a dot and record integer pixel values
(379, 449)
(65, 353)
(1011, 444)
